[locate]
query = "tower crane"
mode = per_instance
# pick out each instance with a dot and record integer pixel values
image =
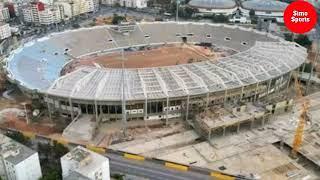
(303, 116)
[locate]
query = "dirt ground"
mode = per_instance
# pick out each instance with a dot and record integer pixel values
(43, 128)
(155, 57)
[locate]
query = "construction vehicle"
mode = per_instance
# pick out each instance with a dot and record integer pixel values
(302, 118)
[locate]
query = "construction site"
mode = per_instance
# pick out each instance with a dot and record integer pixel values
(210, 96)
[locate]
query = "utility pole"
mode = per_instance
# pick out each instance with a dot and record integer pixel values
(124, 114)
(177, 10)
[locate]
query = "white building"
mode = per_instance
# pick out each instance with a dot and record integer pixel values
(126, 3)
(5, 31)
(50, 15)
(18, 162)
(39, 13)
(240, 19)
(86, 164)
(82, 6)
(67, 9)
(4, 13)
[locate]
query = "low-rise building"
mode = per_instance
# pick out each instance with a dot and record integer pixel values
(126, 3)
(5, 31)
(18, 162)
(84, 164)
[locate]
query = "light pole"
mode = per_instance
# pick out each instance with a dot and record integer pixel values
(124, 115)
(177, 10)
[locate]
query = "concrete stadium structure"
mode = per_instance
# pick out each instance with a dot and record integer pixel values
(263, 65)
(264, 8)
(207, 7)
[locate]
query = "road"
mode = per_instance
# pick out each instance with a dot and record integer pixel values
(150, 170)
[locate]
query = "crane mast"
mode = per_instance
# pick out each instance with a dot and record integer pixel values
(303, 117)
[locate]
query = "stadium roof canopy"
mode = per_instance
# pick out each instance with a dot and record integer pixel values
(213, 4)
(265, 5)
(261, 57)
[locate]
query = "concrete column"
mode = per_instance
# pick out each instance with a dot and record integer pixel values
(303, 68)
(269, 86)
(288, 84)
(167, 111)
(86, 108)
(208, 99)
(225, 95)
(242, 90)
(224, 131)
(49, 110)
(263, 121)
(145, 109)
(71, 109)
(187, 111)
(238, 128)
(96, 111)
(59, 107)
(209, 134)
(256, 93)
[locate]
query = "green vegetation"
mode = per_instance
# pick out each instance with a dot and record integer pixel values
(307, 67)
(301, 39)
(51, 174)
(253, 17)
(116, 19)
(219, 18)
(118, 176)
(19, 137)
(52, 154)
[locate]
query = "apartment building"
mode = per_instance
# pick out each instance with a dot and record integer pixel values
(84, 164)
(42, 14)
(4, 13)
(5, 31)
(18, 162)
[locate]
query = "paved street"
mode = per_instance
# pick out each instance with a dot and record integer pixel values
(150, 170)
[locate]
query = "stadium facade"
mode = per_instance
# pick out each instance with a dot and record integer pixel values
(208, 7)
(263, 65)
(264, 8)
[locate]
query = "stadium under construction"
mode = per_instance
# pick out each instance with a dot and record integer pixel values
(260, 64)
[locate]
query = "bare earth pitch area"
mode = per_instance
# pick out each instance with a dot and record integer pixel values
(154, 57)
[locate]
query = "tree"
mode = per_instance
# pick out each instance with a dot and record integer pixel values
(188, 12)
(220, 18)
(252, 13)
(76, 26)
(59, 150)
(288, 36)
(51, 174)
(116, 5)
(52, 154)
(19, 137)
(116, 19)
(118, 176)
(303, 40)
